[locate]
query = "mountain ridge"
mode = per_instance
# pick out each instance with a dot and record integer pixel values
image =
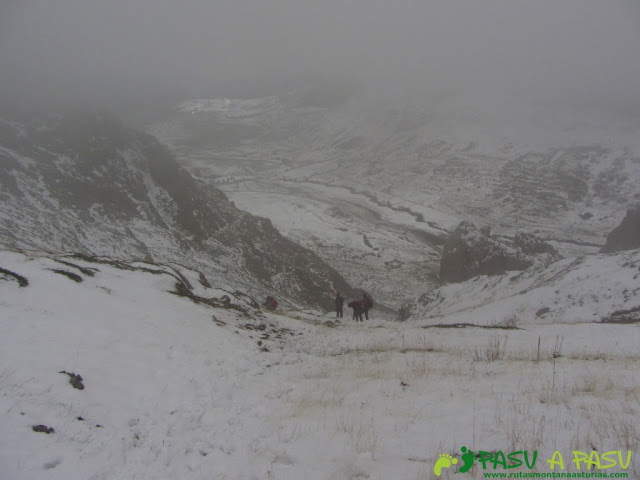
(89, 184)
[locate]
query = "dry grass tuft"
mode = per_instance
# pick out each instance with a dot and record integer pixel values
(495, 349)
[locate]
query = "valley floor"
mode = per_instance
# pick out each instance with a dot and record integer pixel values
(373, 246)
(178, 390)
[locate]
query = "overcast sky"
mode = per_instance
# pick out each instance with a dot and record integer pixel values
(112, 50)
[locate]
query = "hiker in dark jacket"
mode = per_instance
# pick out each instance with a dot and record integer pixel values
(339, 302)
(270, 303)
(367, 303)
(357, 309)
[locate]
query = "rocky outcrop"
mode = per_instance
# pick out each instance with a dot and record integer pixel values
(88, 184)
(469, 252)
(529, 244)
(625, 236)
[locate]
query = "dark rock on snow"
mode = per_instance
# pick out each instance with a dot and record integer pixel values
(43, 429)
(469, 252)
(75, 380)
(625, 236)
(529, 244)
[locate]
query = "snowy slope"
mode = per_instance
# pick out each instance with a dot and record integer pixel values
(177, 389)
(89, 184)
(589, 288)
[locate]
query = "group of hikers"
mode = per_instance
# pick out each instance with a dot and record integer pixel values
(359, 306)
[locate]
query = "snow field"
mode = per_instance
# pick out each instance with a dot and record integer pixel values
(179, 395)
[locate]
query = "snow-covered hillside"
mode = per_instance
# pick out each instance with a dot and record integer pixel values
(177, 388)
(402, 168)
(89, 184)
(590, 288)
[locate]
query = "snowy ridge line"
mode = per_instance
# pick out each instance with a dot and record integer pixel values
(189, 282)
(229, 107)
(573, 242)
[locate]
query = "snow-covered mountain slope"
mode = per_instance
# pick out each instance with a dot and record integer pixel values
(176, 388)
(88, 184)
(590, 288)
(567, 177)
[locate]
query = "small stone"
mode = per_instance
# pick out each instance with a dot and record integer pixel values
(43, 429)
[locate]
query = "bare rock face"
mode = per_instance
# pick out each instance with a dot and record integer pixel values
(529, 244)
(469, 252)
(625, 236)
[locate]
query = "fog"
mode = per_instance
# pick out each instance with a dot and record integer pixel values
(133, 52)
